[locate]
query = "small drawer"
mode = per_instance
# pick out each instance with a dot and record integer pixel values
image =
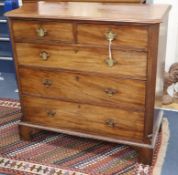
(135, 37)
(84, 88)
(107, 122)
(130, 64)
(37, 30)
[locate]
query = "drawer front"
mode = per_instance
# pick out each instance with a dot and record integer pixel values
(34, 30)
(124, 36)
(108, 122)
(130, 63)
(88, 89)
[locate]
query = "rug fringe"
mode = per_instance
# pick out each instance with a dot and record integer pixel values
(162, 151)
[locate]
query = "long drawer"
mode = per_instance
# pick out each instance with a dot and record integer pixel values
(108, 122)
(84, 88)
(129, 63)
(135, 37)
(39, 30)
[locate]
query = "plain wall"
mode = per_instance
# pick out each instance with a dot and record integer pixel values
(172, 42)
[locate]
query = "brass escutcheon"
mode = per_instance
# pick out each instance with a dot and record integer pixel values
(41, 32)
(44, 55)
(110, 36)
(110, 123)
(51, 113)
(110, 62)
(110, 91)
(47, 82)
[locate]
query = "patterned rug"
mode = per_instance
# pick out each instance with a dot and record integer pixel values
(51, 153)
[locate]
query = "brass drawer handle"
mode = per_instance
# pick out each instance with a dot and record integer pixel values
(111, 91)
(41, 32)
(47, 82)
(110, 36)
(44, 55)
(110, 123)
(51, 113)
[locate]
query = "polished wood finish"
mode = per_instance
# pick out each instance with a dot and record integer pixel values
(130, 64)
(89, 12)
(84, 118)
(83, 88)
(91, 136)
(126, 36)
(152, 63)
(27, 132)
(136, 145)
(65, 77)
(148, 155)
(148, 158)
(156, 65)
(27, 30)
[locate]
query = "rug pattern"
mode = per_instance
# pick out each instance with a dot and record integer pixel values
(59, 154)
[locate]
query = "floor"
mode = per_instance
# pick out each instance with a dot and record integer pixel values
(8, 89)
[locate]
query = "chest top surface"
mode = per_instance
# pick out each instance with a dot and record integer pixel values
(137, 13)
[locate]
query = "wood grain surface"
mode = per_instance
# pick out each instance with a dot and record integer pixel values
(135, 37)
(83, 11)
(84, 118)
(130, 64)
(27, 30)
(84, 88)
(156, 67)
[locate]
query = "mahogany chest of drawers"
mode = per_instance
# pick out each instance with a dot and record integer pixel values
(91, 69)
